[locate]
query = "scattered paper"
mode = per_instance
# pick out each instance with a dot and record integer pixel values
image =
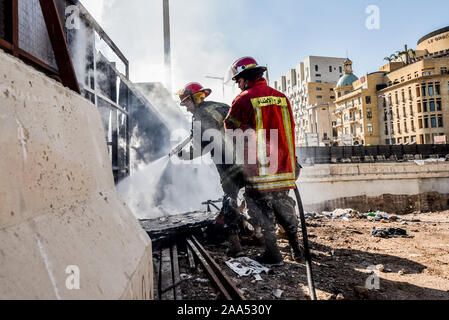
(246, 267)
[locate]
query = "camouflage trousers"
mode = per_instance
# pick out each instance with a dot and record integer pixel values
(232, 181)
(271, 208)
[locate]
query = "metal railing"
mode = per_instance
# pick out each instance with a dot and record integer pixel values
(328, 155)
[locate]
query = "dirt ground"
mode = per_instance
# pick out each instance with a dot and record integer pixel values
(410, 268)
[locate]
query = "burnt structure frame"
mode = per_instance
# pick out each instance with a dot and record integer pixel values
(65, 72)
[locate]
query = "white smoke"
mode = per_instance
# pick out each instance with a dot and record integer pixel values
(190, 186)
(136, 27)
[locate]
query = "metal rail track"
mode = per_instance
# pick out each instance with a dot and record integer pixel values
(221, 282)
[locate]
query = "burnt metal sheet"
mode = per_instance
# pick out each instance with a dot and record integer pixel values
(172, 227)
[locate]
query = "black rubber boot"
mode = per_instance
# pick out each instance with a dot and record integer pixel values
(272, 255)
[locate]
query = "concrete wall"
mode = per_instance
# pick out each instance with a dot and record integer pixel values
(393, 187)
(58, 203)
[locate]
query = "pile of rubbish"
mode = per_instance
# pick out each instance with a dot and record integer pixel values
(390, 233)
(347, 214)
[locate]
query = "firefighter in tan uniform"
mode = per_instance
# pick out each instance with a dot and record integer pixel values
(210, 115)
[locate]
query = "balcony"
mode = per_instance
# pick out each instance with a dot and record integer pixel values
(339, 124)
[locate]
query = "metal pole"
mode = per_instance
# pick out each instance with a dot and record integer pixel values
(167, 44)
(222, 79)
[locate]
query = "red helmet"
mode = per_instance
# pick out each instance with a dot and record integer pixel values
(191, 89)
(242, 65)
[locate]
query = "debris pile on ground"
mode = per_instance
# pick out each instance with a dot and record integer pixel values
(348, 214)
(349, 262)
(165, 228)
(390, 233)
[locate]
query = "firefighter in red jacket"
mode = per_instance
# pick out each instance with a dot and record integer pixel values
(265, 116)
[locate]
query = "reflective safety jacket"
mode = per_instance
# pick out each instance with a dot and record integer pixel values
(267, 115)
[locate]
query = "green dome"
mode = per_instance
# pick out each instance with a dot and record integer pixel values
(347, 80)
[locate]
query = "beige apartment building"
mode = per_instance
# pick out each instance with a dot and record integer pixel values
(357, 108)
(415, 105)
(405, 102)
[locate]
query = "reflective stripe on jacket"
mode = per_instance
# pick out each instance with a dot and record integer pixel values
(267, 112)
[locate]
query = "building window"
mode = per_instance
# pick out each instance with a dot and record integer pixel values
(432, 106)
(440, 121)
(370, 128)
(316, 68)
(424, 91)
(340, 68)
(419, 107)
(319, 97)
(420, 123)
(413, 139)
(425, 106)
(437, 88)
(319, 89)
(418, 92)
(433, 122)
(368, 99)
(431, 92)
(330, 68)
(318, 75)
(438, 105)
(426, 122)
(369, 114)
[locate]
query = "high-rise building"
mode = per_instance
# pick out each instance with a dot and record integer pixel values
(310, 89)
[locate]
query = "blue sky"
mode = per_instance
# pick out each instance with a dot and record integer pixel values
(208, 35)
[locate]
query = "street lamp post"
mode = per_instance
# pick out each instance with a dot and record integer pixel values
(222, 79)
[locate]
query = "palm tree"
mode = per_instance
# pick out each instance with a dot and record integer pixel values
(400, 54)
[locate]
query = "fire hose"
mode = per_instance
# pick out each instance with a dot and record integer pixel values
(307, 254)
(181, 146)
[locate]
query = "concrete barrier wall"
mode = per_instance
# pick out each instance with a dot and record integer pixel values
(394, 187)
(59, 209)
